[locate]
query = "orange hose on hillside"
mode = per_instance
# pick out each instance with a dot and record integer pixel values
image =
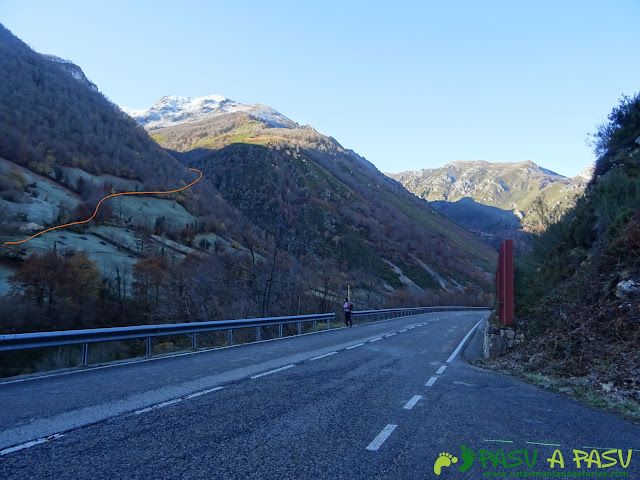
(98, 206)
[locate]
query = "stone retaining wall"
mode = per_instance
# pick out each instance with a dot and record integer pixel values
(498, 340)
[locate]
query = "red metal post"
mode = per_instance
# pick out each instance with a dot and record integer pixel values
(507, 262)
(504, 283)
(500, 284)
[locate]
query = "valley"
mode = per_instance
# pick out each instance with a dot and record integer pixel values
(284, 221)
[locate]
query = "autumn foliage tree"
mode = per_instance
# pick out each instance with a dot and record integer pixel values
(149, 275)
(62, 288)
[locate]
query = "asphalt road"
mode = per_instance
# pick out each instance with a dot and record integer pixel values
(381, 401)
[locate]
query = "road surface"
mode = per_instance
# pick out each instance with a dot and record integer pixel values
(389, 400)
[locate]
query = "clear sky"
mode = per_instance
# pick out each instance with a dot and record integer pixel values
(407, 84)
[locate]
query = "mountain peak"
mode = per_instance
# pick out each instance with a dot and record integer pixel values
(172, 110)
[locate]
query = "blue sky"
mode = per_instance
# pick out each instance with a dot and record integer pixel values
(407, 84)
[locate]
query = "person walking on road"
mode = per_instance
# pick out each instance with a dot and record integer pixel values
(347, 313)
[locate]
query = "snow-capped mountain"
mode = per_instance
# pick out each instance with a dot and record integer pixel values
(174, 110)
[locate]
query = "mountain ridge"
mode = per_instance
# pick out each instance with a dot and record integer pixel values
(510, 186)
(497, 200)
(171, 110)
(72, 69)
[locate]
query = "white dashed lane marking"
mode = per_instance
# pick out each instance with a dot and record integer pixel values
(411, 403)
(323, 356)
(272, 371)
(176, 400)
(354, 346)
(204, 392)
(441, 369)
(159, 405)
(382, 436)
(431, 381)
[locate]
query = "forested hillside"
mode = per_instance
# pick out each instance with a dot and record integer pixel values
(578, 293)
(342, 204)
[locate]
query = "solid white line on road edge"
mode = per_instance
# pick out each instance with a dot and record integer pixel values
(411, 403)
(272, 371)
(431, 381)
(375, 339)
(453, 355)
(354, 346)
(323, 356)
(382, 436)
(204, 392)
(30, 444)
(159, 405)
(390, 335)
(441, 369)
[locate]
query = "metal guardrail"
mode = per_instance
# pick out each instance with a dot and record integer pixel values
(377, 315)
(22, 341)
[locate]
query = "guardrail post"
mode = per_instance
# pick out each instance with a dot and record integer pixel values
(280, 331)
(149, 347)
(194, 341)
(230, 337)
(315, 325)
(299, 328)
(328, 324)
(85, 354)
(258, 334)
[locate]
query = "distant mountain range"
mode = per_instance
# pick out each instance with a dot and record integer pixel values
(494, 199)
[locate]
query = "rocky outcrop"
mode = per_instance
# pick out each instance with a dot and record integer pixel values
(627, 290)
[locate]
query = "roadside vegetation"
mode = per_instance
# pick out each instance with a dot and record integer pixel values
(578, 292)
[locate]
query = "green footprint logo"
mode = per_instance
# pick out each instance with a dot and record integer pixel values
(444, 460)
(468, 457)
